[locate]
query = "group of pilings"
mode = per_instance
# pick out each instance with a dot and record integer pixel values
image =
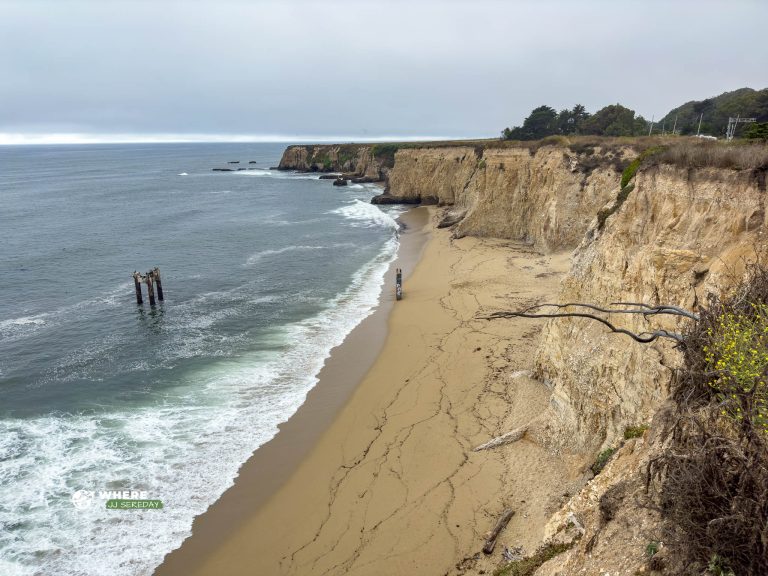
(151, 279)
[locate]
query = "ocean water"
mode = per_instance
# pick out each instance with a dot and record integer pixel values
(263, 273)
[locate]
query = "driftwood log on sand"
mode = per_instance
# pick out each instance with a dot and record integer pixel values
(490, 541)
(507, 438)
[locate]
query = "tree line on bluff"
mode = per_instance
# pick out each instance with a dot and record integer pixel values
(618, 120)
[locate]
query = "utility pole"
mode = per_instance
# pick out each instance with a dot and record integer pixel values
(733, 123)
(651, 128)
(699, 130)
(674, 125)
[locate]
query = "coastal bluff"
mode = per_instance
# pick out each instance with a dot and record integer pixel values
(669, 230)
(673, 239)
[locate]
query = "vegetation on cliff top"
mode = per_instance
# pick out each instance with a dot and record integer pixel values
(712, 481)
(589, 152)
(613, 120)
(618, 120)
(714, 112)
(385, 153)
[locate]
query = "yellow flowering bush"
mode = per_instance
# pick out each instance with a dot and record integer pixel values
(737, 354)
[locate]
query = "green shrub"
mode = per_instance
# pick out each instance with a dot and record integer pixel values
(718, 566)
(652, 549)
(528, 566)
(385, 153)
(631, 170)
(738, 355)
(712, 480)
(604, 213)
(602, 460)
(635, 431)
(757, 131)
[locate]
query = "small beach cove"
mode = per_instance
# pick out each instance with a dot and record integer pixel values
(375, 474)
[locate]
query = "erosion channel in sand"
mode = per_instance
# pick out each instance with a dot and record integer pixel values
(389, 483)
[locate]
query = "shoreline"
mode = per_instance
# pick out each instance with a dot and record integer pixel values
(272, 463)
(393, 485)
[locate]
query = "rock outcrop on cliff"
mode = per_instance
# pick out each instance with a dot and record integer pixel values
(350, 159)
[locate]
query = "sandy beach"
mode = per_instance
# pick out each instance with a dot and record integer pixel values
(384, 480)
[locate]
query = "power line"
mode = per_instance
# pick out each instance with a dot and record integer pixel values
(733, 123)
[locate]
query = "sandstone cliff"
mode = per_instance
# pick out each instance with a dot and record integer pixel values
(684, 230)
(347, 158)
(543, 197)
(677, 236)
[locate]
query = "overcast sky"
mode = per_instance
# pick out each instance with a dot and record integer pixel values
(356, 68)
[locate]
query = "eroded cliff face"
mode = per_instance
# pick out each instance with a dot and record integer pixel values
(545, 198)
(680, 235)
(676, 237)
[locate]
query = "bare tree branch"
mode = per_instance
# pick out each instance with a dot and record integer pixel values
(662, 309)
(644, 310)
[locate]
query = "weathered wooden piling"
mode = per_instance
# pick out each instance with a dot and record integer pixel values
(150, 279)
(150, 289)
(156, 274)
(399, 284)
(137, 282)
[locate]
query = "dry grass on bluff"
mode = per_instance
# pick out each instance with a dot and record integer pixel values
(737, 155)
(684, 151)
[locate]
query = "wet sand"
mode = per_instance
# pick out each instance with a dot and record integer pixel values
(376, 473)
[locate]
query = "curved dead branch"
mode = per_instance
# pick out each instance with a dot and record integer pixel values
(663, 309)
(641, 309)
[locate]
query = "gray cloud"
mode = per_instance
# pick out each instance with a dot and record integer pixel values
(360, 68)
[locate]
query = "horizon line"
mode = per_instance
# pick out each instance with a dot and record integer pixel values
(21, 139)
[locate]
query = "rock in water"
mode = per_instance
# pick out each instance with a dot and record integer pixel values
(389, 199)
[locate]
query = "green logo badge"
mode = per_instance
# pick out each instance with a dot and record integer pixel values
(134, 504)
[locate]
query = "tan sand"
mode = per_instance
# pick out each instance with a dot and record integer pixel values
(392, 486)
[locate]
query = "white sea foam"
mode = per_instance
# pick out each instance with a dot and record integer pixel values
(185, 452)
(12, 329)
(366, 214)
(255, 172)
(278, 174)
(254, 258)
(183, 174)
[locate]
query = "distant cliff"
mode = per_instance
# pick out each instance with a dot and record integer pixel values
(352, 159)
(545, 195)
